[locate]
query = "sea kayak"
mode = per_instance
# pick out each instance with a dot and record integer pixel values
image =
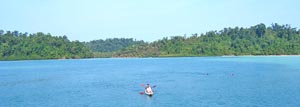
(149, 93)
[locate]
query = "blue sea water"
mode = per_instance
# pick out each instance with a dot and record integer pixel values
(262, 81)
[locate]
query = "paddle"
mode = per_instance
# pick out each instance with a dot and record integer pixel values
(141, 93)
(143, 85)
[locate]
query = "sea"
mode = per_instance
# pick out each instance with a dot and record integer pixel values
(230, 81)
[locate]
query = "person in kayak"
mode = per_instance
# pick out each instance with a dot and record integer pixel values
(148, 89)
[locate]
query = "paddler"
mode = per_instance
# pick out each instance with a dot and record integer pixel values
(148, 88)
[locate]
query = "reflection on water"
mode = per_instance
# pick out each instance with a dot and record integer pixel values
(148, 101)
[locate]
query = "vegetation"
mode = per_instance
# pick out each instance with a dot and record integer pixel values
(106, 48)
(110, 45)
(256, 40)
(20, 46)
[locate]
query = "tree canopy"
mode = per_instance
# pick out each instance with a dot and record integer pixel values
(15, 45)
(112, 44)
(256, 40)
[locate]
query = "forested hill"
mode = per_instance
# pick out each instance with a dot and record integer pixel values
(20, 46)
(255, 40)
(112, 44)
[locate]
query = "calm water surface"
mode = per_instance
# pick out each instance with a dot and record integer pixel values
(181, 82)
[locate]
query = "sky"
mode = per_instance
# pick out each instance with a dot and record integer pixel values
(148, 20)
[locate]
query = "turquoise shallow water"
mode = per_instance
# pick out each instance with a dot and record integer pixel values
(181, 82)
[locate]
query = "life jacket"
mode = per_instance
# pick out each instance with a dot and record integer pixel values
(149, 90)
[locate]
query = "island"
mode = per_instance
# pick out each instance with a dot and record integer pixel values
(232, 41)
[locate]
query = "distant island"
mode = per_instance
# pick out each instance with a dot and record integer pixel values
(255, 40)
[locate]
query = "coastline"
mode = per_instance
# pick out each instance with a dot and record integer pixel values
(258, 55)
(162, 57)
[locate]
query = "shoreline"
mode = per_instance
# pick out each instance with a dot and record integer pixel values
(205, 56)
(256, 55)
(159, 57)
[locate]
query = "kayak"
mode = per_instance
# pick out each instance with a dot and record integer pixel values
(149, 93)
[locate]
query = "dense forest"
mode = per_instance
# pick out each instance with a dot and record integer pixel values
(20, 46)
(107, 47)
(112, 44)
(256, 40)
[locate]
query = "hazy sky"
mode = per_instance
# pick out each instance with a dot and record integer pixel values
(148, 20)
